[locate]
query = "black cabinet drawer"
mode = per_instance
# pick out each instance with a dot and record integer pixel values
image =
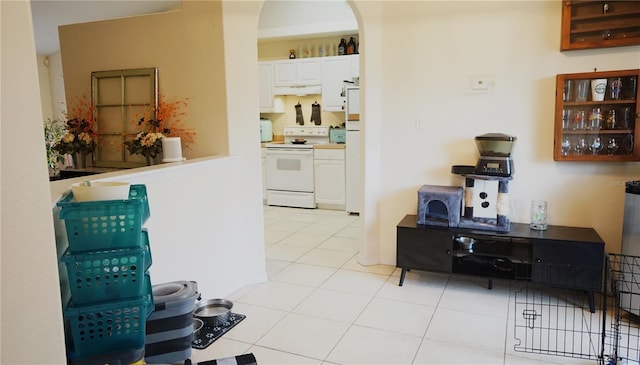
(424, 249)
(570, 264)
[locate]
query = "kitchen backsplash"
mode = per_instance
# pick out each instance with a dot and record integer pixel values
(279, 120)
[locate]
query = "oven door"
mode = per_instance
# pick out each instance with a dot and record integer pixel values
(289, 169)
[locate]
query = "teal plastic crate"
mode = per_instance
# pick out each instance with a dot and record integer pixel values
(108, 275)
(107, 224)
(108, 327)
(126, 357)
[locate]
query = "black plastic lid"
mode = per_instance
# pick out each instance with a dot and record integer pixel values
(632, 187)
(496, 137)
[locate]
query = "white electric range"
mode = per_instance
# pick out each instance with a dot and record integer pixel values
(289, 166)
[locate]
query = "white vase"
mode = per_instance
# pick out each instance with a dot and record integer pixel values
(171, 149)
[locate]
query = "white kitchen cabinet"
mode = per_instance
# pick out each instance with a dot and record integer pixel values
(297, 72)
(268, 102)
(334, 71)
(265, 86)
(355, 65)
(329, 171)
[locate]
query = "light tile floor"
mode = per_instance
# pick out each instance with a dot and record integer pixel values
(320, 306)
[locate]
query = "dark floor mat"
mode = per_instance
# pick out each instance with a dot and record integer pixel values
(209, 335)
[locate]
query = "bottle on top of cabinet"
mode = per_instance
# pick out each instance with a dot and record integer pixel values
(342, 47)
(351, 46)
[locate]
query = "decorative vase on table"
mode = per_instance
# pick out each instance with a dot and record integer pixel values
(152, 158)
(80, 160)
(148, 158)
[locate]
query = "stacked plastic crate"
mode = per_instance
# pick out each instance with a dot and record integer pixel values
(107, 264)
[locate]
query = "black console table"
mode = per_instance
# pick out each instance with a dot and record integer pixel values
(568, 257)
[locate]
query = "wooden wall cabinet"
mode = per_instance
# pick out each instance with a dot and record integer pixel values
(599, 24)
(593, 130)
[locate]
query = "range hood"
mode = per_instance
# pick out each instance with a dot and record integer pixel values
(298, 90)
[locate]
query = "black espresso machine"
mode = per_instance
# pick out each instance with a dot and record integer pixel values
(486, 186)
(495, 156)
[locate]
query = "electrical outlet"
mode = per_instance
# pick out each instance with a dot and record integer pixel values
(420, 123)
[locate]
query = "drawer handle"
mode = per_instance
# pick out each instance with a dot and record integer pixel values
(538, 260)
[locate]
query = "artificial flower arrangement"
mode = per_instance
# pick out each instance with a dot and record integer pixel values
(54, 130)
(168, 122)
(148, 142)
(80, 135)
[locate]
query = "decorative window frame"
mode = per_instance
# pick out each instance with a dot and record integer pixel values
(119, 99)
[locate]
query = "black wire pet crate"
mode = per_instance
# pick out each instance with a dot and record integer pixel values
(553, 320)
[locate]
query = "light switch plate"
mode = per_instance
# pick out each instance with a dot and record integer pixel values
(480, 83)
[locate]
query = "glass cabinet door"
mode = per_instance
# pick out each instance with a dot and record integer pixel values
(596, 116)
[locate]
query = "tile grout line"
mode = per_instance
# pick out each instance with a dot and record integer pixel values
(315, 289)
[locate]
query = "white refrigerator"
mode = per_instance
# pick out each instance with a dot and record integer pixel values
(353, 157)
(630, 260)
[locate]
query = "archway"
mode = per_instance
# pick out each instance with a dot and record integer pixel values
(369, 247)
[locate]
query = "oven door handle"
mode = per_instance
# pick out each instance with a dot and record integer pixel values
(287, 152)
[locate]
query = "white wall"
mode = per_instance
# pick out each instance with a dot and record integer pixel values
(56, 84)
(43, 79)
(197, 231)
(51, 86)
(30, 291)
(416, 56)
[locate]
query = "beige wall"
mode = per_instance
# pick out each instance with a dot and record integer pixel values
(416, 57)
(184, 45)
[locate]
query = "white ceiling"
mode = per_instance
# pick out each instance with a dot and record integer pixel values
(279, 19)
(49, 14)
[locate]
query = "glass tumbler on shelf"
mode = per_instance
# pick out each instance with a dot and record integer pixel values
(595, 146)
(611, 119)
(581, 146)
(631, 88)
(565, 146)
(579, 120)
(615, 87)
(627, 144)
(625, 118)
(595, 119)
(567, 90)
(538, 215)
(567, 118)
(598, 89)
(612, 146)
(582, 90)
